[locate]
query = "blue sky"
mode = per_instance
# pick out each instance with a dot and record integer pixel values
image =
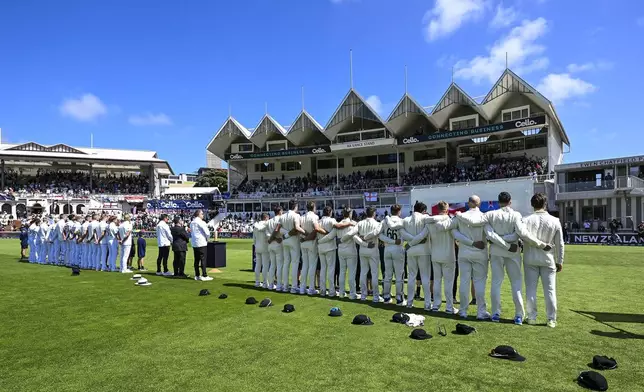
(162, 75)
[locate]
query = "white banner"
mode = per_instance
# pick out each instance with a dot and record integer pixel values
(363, 144)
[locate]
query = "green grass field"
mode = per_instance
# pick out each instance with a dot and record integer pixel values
(99, 332)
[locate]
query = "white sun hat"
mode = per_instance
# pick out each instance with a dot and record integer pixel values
(136, 277)
(143, 282)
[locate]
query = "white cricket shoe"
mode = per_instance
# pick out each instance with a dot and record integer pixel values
(168, 273)
(551, 323)
(206, 278)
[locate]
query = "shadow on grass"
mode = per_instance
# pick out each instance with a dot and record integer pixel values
(380, 305)
(605, 318)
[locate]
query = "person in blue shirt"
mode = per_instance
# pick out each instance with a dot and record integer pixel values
(141, 244)
(24, 241)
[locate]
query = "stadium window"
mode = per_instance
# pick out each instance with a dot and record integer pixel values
(598, 180)
(599, 212)
(492, 148)
(387, 159)
(245, 147)
(379, 134)
(537, 141)
(516, 113)
(264, 168)
(291, 166)
(276, 146)
(347, 138)
(586, 213)
(429, 154)
(464, 122)
(514, 145)
(468, 151)
(323, 164)
(371, 160)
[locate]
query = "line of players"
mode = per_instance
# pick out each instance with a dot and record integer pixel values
(89, 242)
(281, 240)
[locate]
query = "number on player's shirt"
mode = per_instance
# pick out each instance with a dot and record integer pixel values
(392, 234)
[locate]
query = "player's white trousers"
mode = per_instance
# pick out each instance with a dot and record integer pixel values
(309, 265)
(394, 265)
(548, 277)
(348, 263)
(96, 256)
(33, 251)
(43, 252)
(125, 254)
(499, 265)
(103, 258)
(113, 246)
(291, 262)
(370, 260)
(276, 256)
(262, 264)
(444, 273)
(327, 272)
(415, 264)
(476, 271)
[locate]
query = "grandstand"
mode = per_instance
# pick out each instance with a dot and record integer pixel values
(62, 179)
(360, 159)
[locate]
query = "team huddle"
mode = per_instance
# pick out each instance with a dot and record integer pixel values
(90, 242)
(493, 238)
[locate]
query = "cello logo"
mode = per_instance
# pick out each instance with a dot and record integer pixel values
(318, 151)
(236, 156)
(526, 123)
(410, 140)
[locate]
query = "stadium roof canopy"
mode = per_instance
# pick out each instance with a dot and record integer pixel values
(268, 129)
(450, 101)
(510, 83)
(405, 114)
(306, 131)
(353, 114)
(230, 132)
(36, 152)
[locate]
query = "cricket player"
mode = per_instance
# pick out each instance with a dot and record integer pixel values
(103, 243)
(69, 225)
(394, 256)
(74, 236)
(418, 254)
(263, 258)
(544, 262)
(59, 237)
(365, 234)
(33, 230)
(85, 237)
(125, 235)
(43, 235)
(275, 234)
(309, 248)
(473, 257)
(113, 240)
(291, 222)
(327, 249)
(348, 255)
(94, 245)
(37, 240)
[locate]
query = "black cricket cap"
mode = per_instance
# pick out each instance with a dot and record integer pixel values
(400, 318)
(506, 352)
(602, 362)
(223, 296)
(420, 334)
(361, 319)
(251, 301)
(288, 308)
(266, 302)
(75, 271)
(335, 312)
(593, 381)
(463, 329)
(204, 292)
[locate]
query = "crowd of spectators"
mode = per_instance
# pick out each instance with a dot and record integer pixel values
(419, 175)
(69, 183)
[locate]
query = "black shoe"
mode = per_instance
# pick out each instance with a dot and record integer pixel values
(473, 302)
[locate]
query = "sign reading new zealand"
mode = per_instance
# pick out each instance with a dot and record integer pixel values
(276, 154)
(475, 132)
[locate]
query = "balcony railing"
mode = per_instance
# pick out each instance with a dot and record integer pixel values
(625, 182)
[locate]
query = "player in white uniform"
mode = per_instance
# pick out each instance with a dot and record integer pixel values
(59, 237)
(545, 262)
(102, 243)
(75, 235)
(69, 225)
(347, 255)
(291, 223)
(365, 235)
(394, 256)
(275, 234)
(113, 242)
(43, 235)
(94, 245)
(262, 256)
(85, 259)
(309, 248)
(125, 234)
(327, 249)
(418, 254)
(33, 232)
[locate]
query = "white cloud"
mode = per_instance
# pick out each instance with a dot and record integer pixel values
(590, 66)
(519, 45)
(560, 87)
(448, 16)
(504, 17)
(446, 61)
(375, 103)
(150, 119)
(87, 107)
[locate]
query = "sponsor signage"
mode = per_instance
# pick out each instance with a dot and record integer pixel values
(236, 234)
(632, 239)
(177, 204)
(277, 154)
(610, 162)
(475, 132)
(363, 144)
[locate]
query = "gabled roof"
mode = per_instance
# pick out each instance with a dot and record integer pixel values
(266, 126)
(509, 82)
(32, 146)
(454, 97)
(406, 111)
(353, 106)
(225, 136)
(304, 127)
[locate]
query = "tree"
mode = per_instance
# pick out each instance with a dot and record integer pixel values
(213, 178)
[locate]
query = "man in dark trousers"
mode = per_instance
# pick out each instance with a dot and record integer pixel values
(180, 240)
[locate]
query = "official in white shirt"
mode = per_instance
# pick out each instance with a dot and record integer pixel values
(113, 242)
(125, 235)
(365, 234)
(103, 243)
(164, 240)
(262, 255)
(394, 256)
(418, 254)
(472, 257)
(291, 223)
(275, 235)
(309, 248)
(347, 255)
(199, 235)
(544, 262)
(327, 250)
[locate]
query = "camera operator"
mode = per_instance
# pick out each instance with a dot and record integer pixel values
(614, 225)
